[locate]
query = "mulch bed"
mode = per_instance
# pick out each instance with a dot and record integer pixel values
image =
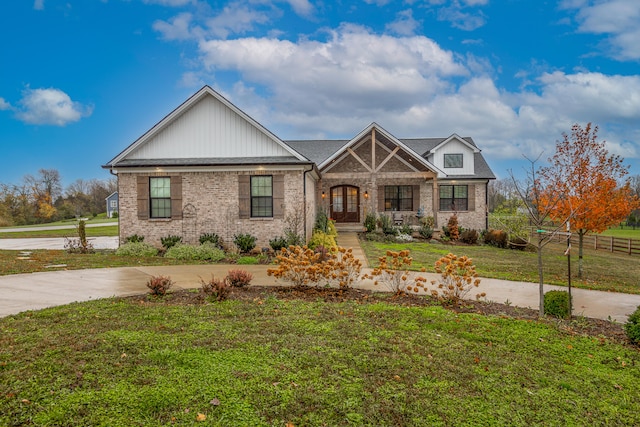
(584, 326)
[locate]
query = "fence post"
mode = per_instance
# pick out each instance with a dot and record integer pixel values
(611, 243)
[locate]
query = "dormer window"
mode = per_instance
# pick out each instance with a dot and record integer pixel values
(453, 160)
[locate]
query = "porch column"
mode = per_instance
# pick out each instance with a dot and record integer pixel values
(436, 202)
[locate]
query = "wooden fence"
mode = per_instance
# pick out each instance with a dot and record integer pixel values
(602, 243)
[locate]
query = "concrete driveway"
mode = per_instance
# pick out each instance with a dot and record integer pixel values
(54, 243)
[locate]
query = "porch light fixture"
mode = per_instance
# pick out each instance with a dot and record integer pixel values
(323, 195)
(366, 194)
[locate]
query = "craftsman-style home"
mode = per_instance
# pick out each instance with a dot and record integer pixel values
(208, 167)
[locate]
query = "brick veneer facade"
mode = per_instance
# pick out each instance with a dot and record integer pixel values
(210, 204)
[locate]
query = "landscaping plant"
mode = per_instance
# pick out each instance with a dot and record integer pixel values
(245, 242)
(303, 266)
(457, 277)
(215, 289)
(159, 285)
(632, 327)
(239, 278)
(393, 272)
(137, 249)
(170, 241)
(556, 303)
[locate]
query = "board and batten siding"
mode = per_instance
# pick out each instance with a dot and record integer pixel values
(209, 129)
(454, 147)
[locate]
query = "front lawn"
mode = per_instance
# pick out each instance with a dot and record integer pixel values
(269, 361)
(604, 271)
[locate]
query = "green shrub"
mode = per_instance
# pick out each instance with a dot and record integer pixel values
(469, 236)
(139, 249)
(212, 238)
(632, 327)
(239, 278)
(370, 222)
(426, 231)
(556, 303)
(134, 239)
(406, 229)
(204, 252)
(497, 238)
(247, 260)
(159, 285)
(215, 289)
(245, 242)
(322, 239)
(292, 238)
(170, 241)
(331, 227)
(386, 224)
(322, 222)
(278, 243)
(114, 214)
(517, 242)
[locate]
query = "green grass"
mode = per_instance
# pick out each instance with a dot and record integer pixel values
(602, 270)
(623, 233)
(107, 230)
(271, 362)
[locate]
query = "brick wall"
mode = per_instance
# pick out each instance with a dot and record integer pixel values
(210, 205)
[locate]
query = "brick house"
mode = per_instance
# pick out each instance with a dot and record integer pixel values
(209, 167)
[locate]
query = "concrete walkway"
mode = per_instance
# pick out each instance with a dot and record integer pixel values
(35, 291)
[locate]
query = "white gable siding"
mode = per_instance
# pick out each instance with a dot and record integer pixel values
(209, 129)
(454, 147)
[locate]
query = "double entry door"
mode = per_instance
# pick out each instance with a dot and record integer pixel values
(345, 203)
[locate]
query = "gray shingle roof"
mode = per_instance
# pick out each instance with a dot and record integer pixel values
(319, 150)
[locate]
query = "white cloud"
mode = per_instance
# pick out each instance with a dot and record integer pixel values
(38, 4)
(4, 105)
(617, 18)
(235, 19)
(178, 27)
(404, 24)
(50, 107)
(301, 7)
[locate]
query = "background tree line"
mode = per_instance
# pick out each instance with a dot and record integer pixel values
(40, 198)
(503, 198)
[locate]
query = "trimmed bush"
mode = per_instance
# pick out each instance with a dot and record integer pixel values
(170, 241)
(204, 252)
(632, 327)
(278, 243)
(322, 239)
(497, 238)
(469, 236)
(453, 232)
(215, 289)
(159, 285)
(556, 303)
(239, 278)
(247, 260)
(134, 239)
(370, 222)
(245, 242)
(212, 238)
(140, 249)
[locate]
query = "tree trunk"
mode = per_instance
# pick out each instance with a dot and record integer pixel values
(580, 245)
(541, 309)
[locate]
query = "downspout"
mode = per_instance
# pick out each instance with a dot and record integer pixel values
(118, 190)
(486, 205)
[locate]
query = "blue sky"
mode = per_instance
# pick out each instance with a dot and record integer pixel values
(82, 79)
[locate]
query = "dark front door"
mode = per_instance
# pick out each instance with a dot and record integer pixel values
(345, 203)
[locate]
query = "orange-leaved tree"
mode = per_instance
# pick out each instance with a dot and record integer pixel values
(585, 180)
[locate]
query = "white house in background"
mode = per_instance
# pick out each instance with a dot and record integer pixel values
(209, 167)
(112, 204)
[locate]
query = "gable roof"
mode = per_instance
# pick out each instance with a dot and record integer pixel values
(129, 156)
